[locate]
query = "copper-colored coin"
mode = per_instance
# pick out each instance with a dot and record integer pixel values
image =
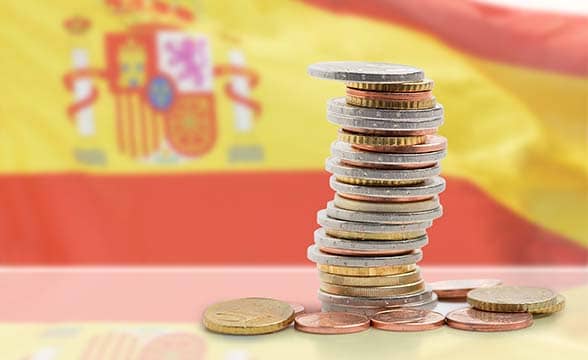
(332, 323)
(430, 131)
(390, 96)
(404, 166)
(298, 308)
(385, 200)
(407, 320)
(458, 289)
(423, 85)
(432, 143)
(511, 298)
(349, 252)
(478, 320)
(356, 235)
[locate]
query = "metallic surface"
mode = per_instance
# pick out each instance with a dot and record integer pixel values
(511, 298)
(366, 271)
(397, 207)
(314, 254)
(389, 280)
(431, 144)
(383, 217)
(423, 85)
(377, 140)
(477, 320)
(407, 320)
(389, 95)
(360, 71)
(343, 225)
(373, 292)
(428, 188)
(331, 323)
(390, 104)
(345, 151)
(458, 289)
(322, 239)
(334, 166)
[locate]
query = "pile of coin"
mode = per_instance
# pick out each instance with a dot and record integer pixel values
(385, 167)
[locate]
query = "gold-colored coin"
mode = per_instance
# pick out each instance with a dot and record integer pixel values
(424, 85)
(248, 316)
(356, 235)
(371, 206)
(557, 307)
(365, 281)
(376, 291)
(366, 271)
(391, 104)
(378, 182)
(512, 298)
(373, 140)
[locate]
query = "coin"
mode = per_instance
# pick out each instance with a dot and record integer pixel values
(389, 125)
(388, 280)
(248, 316)
(375, 291)
(558, 306)
(331, 323)
(477, 320)
(360, 71)
(397, 207)
(367, 247)
(342, 171)
(298, 308)
(423, 85)
(392, 200)
(389, 95)
(382, 217)
(407, 320)
(458, 289)
(511, 298)
(430, 131)
(378, 182)
(338, 108)
(391, 104)
(347, 153)
(429, 187)
(432, 143)
(352, 226)
(319, 257)
(364, 236)
(361, 139)
(382, 302)
(366, 271)
(370, 311)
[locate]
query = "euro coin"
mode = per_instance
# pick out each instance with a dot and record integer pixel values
(511, 298)
(360, 71)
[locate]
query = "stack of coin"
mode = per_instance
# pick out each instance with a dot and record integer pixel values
(385, 167)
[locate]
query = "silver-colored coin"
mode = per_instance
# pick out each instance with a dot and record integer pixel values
(339, 106)
(371, 311)
(429, 187)
(335, 167)
(321, 239)
(344, 225)
(397, 207)
(319, 257)
(347, 152)
(381, 125)
(360, 71)
(382, 217)
(389, 301)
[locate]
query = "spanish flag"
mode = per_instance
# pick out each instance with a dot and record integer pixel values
(187, 132)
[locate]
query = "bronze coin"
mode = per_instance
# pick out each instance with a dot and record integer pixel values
(430, 131)
(407, 320)
(432, 143)
(478, 320)
(458, 289)
(386, 200)
(331, 323)
(390, 96)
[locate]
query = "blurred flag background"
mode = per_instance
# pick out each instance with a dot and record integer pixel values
(187, 132)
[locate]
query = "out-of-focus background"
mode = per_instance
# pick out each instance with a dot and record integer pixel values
(187, 132)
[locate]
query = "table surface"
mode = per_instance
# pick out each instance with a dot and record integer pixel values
(154, 313)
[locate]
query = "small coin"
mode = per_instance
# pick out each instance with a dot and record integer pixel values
(359, 124)
(382, 217)
(248, 316)
(383, 302)
(458, 289)
(378, 182)
(373, 292)
(375, 140)
(394, 119)
(557, 307)
(363, 281)
(432, 143)
(319, 257)
(360, 71)
(397, 207)
(428, 188)
(430, 131)
(392, 200)
(511, 298)
(366, 236)
(477, 320)
(367, 247)
(389, 96)
(362, 158)
(340, 170)
(390, 104)
(423, 85)
(332, 323)
(407, 320)
(366, 271)
(371, 311)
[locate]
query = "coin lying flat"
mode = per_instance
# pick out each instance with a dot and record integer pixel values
(340, 170)
(359, 71)
(361, 139)
(390, 95)
(366, 271)
(382, 302)
(330, 223)
(432, 143)
(423, 85)
(379, 125)
(388, 280)
(407, 320)
(458, 289)
(331, 323)
(349, 154)
(390, 104)
(477, 320)
(397, 207)
(511, 298)
(371, 311)
(382, 217)
(558, 306)
(298, 308)
(338, 107)
(367, 247)
(373, 292)
(427, 188)
(314, 254)
(248, 316)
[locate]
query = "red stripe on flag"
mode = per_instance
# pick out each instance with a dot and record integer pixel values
(233, 218)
